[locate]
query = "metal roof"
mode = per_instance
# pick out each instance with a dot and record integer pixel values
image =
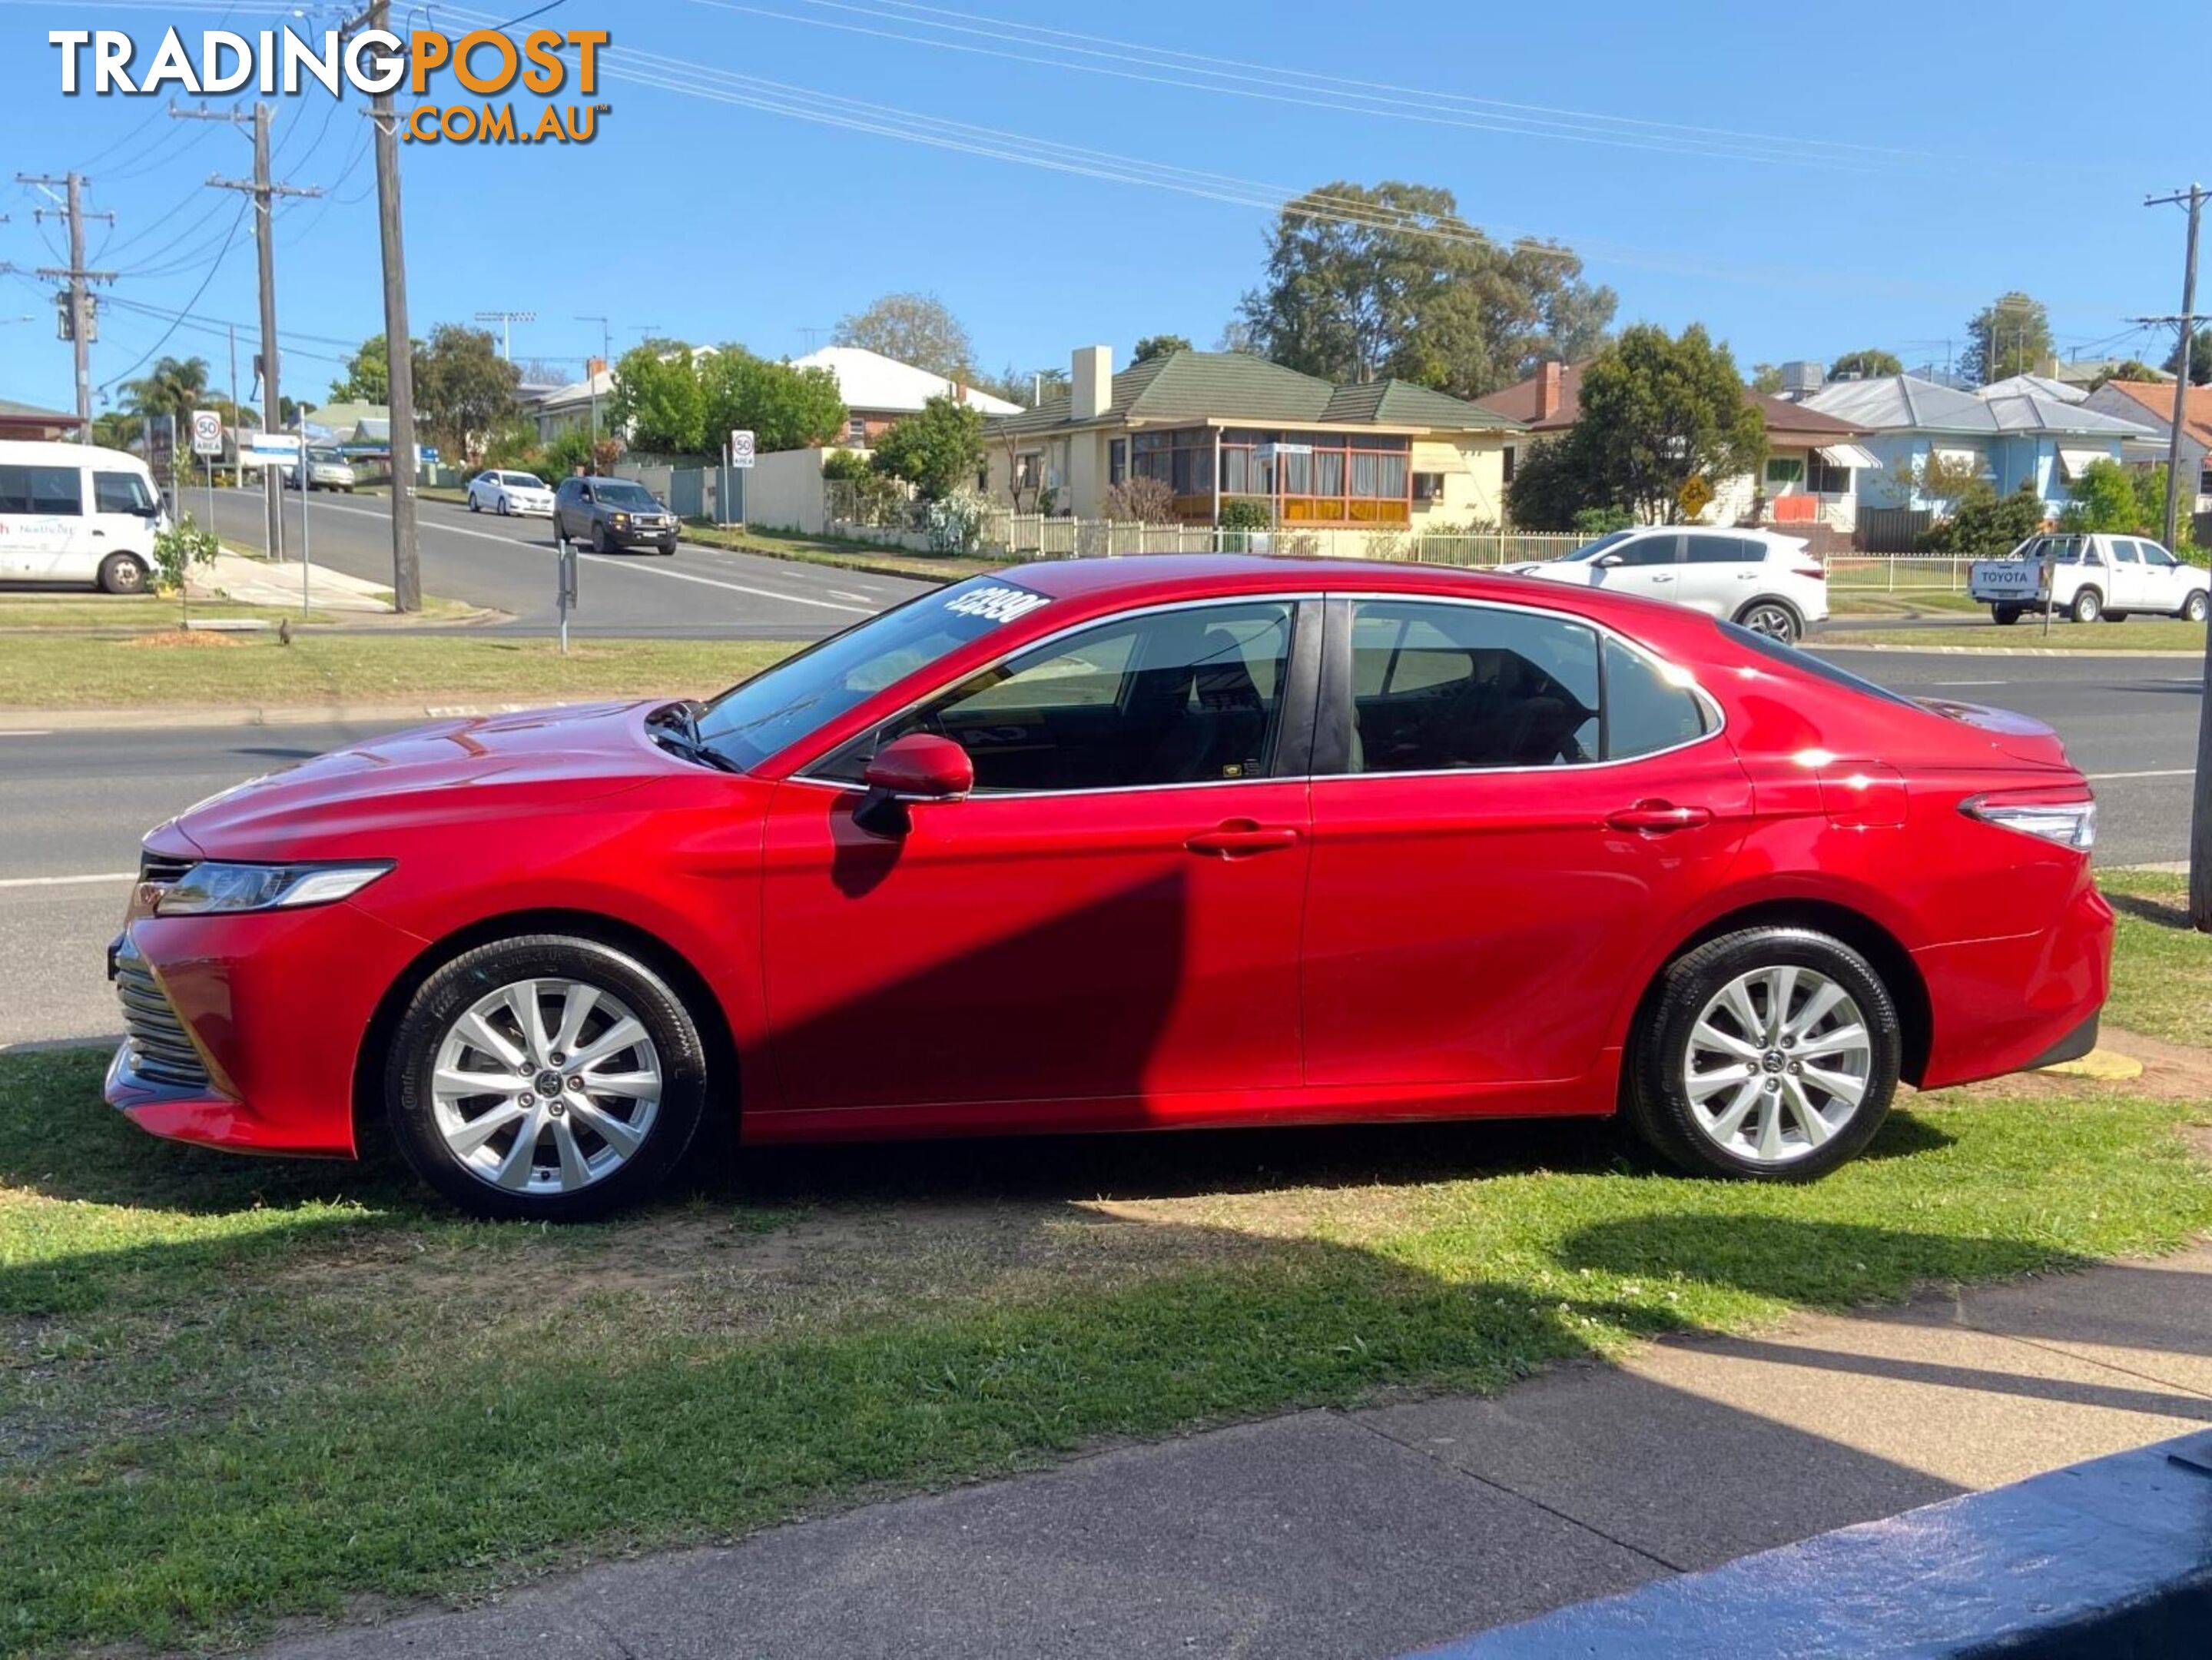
(1904, 403)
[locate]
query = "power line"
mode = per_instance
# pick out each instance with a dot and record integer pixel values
(178, 321)
(79, 318)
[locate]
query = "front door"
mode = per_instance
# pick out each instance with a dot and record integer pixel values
(1647, 566)
(1503, 844)
(1110, 920)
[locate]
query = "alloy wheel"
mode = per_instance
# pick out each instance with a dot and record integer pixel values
(1775, 622)
(545, 1087)
(1779, 1063)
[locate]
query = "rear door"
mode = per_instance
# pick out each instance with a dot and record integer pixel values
(1524, 803)
(1720, 573)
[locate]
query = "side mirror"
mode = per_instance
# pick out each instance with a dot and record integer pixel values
(918, 767)
(1611, 561)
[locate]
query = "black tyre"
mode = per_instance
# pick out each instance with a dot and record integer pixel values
(600, 545)
(667, 548)
(503, 510)
(2193, 608)
(2005, 616)
(546, 1078)
(1775, 618)
(474, 506)
(1769, 1055)
(123, 573)
(2088, 605)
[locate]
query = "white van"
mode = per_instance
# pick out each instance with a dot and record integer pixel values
(75, 512)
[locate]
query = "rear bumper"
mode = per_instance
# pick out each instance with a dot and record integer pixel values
(2003, 1006)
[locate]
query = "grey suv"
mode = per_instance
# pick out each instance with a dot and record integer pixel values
(609, 513)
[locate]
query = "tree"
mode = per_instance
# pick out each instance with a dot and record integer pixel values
(2103, 498)
(1159, 345)
(1027, 387)
(1412, 290)
(659, 399)
(784, 407)
(1986, 524)
(912, 328)
(2009, 336)
(1767, 378)
(1869, 364)
(937, 450)
(175, 386)
(1141, 499)
(463, 389)
(1554, 480)
(2200, 358)
(1658, 410)
(368, 378)
(2132, 369)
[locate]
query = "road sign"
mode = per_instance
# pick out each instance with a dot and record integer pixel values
(741, 448)
(1269, 451)
(207, 432)
(270, 449)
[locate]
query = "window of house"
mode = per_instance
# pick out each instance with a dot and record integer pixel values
(1512, 455)
(1440, 688)
(50, 491)
(1824, 478)
(1784, 471)
(1428, 486)
(856, 432)
(1029, 470)
(1183, 696)
(1117, 461)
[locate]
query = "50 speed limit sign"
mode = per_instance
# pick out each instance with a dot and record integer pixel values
(741, 448)
(207, 432)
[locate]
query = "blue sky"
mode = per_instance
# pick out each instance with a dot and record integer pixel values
(1803, 187)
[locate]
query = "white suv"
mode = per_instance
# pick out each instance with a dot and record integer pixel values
(1767, 582)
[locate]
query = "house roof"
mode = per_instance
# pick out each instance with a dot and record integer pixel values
(12, 411)
(1785, 419)
(2155, 399)
(1905, 402)
(870, 380)
(1236, 385)
(2065, 392)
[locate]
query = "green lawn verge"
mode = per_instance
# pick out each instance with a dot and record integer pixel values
(2161, 967)
(138, 613)
(1845, 601)
(2137, 634)
(82, 671)
(233, 1389)
(841, 553)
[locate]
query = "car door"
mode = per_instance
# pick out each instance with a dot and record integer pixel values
(1719, 574)
(1644, 565)
(2164, 580)
(1523, 805)
(1110, 919)
(2129, 586)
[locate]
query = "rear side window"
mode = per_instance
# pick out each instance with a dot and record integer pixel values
(57, 492)
(1725, 551)
(120, 492)
(1645, 711)
(1444, 688)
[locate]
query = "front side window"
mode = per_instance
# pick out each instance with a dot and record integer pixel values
(2155, 555)
(1649, 550)
(121, 492)
(1437, 688)
(56, 492)
(1190, 695)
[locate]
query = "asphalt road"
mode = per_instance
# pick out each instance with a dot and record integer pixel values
(507, 565)
(75, 803)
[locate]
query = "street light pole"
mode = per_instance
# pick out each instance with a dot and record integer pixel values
(606, 347)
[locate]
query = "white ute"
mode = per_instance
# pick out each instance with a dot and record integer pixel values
(2089, 576)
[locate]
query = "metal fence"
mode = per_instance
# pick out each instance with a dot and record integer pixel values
(1897, 573)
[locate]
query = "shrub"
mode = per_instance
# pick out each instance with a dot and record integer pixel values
(1986, 526)
(954, 520)
(937, 450)
(1141, 500)
(1602, 521)
(570, 451)
(1243, 513)
(176, 550)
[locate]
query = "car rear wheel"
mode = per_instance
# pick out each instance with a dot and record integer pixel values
(2005, 616)
(1769, 1055)
(1772, 618)
(123, 573)
(2193, 608)
(546, 1078)
(2088, 605)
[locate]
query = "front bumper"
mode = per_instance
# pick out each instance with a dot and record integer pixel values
(246, 1029)
(633, 536)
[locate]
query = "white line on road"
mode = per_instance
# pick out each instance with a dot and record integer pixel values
(29, 731)
(66, 881)
(840, 594)
(2170, 772)
(734, 587)
(1969, 683)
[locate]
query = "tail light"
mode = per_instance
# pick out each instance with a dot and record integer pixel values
(1818, 572)
(2066, 818)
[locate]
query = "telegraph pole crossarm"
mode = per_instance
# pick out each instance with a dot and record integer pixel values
(80, 320)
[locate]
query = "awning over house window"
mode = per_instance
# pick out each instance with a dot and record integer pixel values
(2074, 463)
(1847, 455)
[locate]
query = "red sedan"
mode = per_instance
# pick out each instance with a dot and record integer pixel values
(1130, 844)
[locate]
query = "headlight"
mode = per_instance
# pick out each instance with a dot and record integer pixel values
(622, 518)
(212, 887)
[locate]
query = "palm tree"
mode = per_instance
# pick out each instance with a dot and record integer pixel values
(175, 387)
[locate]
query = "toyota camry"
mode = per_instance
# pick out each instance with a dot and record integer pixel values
(1130, 844)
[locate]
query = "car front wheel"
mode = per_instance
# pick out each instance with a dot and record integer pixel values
(474, 507)
(546, 1078)
(1772, 618)
(1768, 1054)
(123, 573)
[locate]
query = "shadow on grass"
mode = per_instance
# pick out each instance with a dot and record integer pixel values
(2164, 913)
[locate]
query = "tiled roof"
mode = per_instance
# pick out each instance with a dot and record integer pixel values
(2156, 399)
(1784, 418)
(1234, 385)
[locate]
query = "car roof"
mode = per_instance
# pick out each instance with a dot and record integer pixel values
(45, 451)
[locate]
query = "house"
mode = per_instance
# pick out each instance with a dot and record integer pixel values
(1811, 458)
(2064, 390)
(879, 390)
(37, 424)
(2006, 438)
(579, 404)
(367, 426)
(1220, 426)
(2151, 404)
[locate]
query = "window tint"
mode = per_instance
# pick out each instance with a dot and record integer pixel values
(58, 491)
(1649, 550)
(1644, 711)
(120, 492)
(1443, 687)
(1725, 551)
(1182, 697)
(2124, 551)
(2155, 555)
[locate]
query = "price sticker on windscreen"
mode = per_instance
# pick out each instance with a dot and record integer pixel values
(999, 604)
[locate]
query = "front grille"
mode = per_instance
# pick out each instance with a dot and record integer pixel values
(159, 867)
(160, 1051)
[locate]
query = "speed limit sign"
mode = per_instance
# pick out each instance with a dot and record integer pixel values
(741, 448)
(207, 432)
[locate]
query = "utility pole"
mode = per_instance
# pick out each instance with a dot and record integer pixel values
(606, 352)
(505, 319)
(80, 322)
(2200, 819)
(398, 343)
(263, 192)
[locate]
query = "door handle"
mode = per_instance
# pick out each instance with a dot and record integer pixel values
(1662, 577)
(1242, 835)
(1658, 817)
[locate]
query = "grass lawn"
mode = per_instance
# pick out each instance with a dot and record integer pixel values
(841, 553)
(84, 672)
(2161, 967)
(138, 613)
(2137, 634)
(1845, 601)
(233, 1390)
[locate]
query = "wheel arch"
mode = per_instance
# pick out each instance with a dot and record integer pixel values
(1882, 950)
(1796, 610)
(649, 948)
